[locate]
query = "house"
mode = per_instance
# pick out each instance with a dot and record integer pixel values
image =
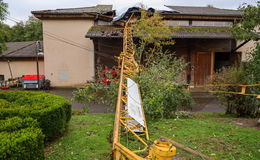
(77, 40)
(20, 59)
(203, 39)
(69, 56)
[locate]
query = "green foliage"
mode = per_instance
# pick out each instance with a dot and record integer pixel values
(237, 104)
(152, 35)
(51, 112)
(161, 88)
(16, 123)
(97, 93)
(21, 139)
(31, 30)
(248, 28)
(160, 79)
(249, 73)
(200, 29)
(3, 10)
(3, 34)
(151, 30)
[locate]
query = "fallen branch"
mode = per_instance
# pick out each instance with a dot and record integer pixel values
(187, 149)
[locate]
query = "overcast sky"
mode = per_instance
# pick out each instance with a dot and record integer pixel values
(21, 9)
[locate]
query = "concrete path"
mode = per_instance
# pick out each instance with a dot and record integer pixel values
(206, 102)
(68, 94)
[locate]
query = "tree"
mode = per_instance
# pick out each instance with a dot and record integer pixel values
(152, 35)
(3, 35)
(17, 32)
(248, 28)
(31, 30)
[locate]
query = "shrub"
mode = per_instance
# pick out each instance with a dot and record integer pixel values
(162, 91)
(21, 139)
(97, 93)
(52, 112)
(241, 105)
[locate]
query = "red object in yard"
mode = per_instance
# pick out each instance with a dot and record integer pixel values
(107, 76)
(32, 77)
(106, 81)
(4, 87)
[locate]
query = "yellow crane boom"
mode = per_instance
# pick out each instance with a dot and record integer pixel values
(130, 69)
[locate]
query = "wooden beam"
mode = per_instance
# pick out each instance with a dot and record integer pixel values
(212, 63)
(187, 149)
(64, 16)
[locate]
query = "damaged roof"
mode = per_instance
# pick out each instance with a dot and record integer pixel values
(94, 9)
(21, 50)
(210, 11)
(183, 32)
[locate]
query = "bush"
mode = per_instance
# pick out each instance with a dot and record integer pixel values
(21, 139)
(97, 93)
(51, 112)
(241, 105)
(162, 91)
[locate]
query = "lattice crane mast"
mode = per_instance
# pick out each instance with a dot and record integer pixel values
(129, 69)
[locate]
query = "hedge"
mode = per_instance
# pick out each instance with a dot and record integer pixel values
(21, 139)
(51, 112)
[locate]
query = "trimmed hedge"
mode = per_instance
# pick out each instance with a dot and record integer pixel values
(21, 139)
(51, 112)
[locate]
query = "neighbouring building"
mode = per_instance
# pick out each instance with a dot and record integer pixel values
(19, 60)
(69, 56)
(76, 40)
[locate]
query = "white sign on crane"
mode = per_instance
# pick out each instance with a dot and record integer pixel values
(134, 103)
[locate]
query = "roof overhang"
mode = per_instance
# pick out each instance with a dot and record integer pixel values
(168, 16)
(95, 16)
(181, 33)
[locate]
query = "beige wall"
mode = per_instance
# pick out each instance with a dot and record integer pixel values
(66, 64)
(247, 48)
(20, 67)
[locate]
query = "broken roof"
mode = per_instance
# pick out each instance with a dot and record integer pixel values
(94, 9)
(21, 50)
(103, 12)
(183, 32)
(209, 11)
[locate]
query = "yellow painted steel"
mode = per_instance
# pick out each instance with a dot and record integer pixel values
(162, 150)
(130, 69)
(243, 88)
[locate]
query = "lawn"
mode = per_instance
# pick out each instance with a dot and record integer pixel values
(213, 134)
(87, 138)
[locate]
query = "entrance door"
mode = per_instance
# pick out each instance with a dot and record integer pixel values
(203, 67)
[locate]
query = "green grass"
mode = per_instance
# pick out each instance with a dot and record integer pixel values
(213, 134)
(87, 138)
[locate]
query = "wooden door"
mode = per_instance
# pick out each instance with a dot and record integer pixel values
(203, 67)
